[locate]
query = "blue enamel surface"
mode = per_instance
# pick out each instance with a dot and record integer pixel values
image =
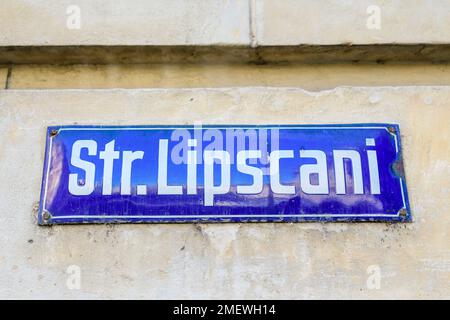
(390, 205)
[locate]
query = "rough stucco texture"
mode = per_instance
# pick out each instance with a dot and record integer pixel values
(229, 22)
(304, 260)
(311, 77)
(336, 22)
(3, 76)
(123, 22)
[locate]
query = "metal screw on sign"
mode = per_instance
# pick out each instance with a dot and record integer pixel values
(46, 216)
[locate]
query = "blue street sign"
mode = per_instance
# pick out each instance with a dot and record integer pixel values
(242, 173)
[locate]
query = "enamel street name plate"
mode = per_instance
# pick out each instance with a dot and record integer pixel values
(135, 174)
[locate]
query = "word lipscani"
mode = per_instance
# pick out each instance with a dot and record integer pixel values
(217, 164)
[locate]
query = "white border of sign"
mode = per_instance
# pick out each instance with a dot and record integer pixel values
(221, 216)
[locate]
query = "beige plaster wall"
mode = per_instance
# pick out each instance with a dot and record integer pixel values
(222, 22)
(312, 77)
(293, 22)
(194, 43)
(123, 22)
(304, 260)
(3, 77)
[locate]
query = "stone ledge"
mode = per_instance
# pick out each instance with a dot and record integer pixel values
(232, 22)
(225, 54)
